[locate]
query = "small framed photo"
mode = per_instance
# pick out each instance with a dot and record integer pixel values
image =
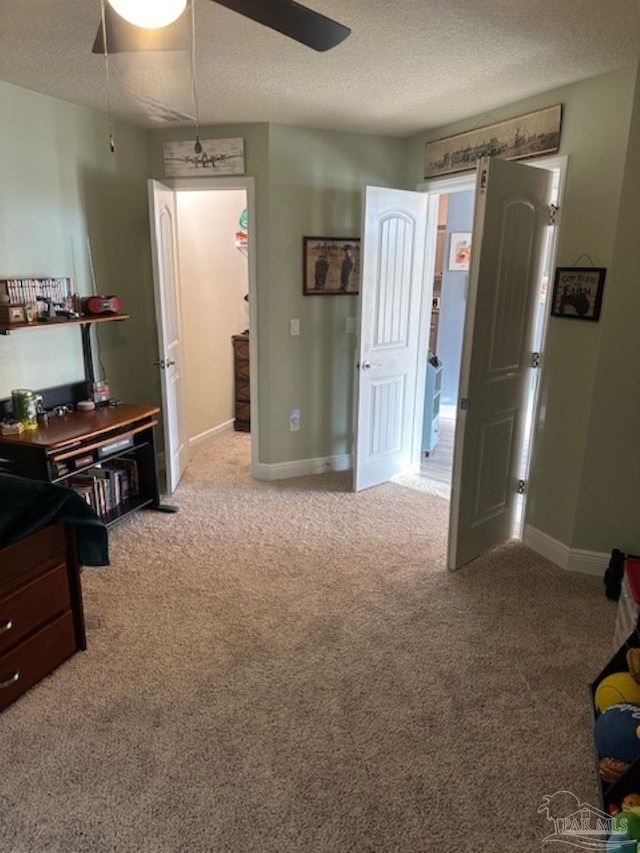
(577, 293)
(459, 250)
(330, 266)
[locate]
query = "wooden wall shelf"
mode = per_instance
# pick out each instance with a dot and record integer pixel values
(6, 328)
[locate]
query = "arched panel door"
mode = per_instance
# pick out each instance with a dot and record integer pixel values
(164, 250)
(392, 278)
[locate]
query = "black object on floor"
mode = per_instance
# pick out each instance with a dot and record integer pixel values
(613, 575)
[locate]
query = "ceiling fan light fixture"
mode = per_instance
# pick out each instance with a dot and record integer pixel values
(149, 14)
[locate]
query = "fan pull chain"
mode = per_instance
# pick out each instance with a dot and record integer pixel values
(194, 85)
(112, 144)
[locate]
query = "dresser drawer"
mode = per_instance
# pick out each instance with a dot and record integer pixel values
(243, 391)
(243, 411)
(243, 371)
(31, 556)
(241, 347)
(32, 605)
(29, 662)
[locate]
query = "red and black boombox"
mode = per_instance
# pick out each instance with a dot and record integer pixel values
(101, 305)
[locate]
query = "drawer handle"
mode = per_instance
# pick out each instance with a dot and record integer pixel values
(8, 625)
(11, 680)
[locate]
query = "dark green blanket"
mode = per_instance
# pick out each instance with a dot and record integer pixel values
(28, 505)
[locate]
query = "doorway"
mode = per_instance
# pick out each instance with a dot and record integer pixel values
(214, 279)
(215, 295)
(455, 203)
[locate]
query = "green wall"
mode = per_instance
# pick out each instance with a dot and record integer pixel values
(595, 132)
(308, 182)
(60, 185)
(609, 500)
(316, 181)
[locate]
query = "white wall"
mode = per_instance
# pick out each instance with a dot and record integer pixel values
(214, 281)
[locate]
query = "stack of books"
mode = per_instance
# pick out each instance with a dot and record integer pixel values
(107, 486)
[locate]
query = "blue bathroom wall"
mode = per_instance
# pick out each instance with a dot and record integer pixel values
(453, 298)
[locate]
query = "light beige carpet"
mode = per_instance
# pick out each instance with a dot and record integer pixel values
(287, 667)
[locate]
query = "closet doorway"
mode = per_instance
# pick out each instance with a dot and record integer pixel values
(215, 311)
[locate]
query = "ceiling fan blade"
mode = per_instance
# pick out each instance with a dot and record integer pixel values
(304, 25)
(123, 36)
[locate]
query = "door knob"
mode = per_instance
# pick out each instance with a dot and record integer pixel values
(159, 362)
(366, 365)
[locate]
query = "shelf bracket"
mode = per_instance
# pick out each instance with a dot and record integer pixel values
(87, 353)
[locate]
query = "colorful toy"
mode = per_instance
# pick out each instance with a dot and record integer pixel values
(620, 842)
(631, 803)
(617, 733)
(620, 687)
(633, 662)
(628, 822)
(612, 769)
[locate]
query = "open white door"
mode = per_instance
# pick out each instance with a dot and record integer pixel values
(510, 221)
(389, 378)
(164, 251)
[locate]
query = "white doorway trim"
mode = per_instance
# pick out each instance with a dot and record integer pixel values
(248, 185)
(466, 181)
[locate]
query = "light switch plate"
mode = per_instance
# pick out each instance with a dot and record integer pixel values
(294, 420)
(294, 326)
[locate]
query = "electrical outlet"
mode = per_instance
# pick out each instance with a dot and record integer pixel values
(294, 420)
(294, 326)
(351, 324)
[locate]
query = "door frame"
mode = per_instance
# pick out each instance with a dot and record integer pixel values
(208, 184)
(467, 181)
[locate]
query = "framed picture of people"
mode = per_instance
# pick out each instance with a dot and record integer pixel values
(330, 266)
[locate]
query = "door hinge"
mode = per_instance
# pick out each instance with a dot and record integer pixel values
(483, 181)
(464, 403)
(553, 211)
(521, 486)
(535, 359)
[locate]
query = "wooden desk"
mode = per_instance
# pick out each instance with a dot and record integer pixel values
(72, 445)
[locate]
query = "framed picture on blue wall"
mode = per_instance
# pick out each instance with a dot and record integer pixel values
(459, 250)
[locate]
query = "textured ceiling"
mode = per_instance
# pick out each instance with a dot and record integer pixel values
(408, 65)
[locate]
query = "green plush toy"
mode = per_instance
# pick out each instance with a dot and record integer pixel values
(629, 823)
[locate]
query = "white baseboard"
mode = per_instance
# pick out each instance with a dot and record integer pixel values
(302, 467)
(572, 559)
(211, 433)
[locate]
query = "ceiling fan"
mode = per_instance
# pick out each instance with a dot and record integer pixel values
(286, 16)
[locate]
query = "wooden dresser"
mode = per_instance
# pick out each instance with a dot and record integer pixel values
(41, 616)
(242, 420)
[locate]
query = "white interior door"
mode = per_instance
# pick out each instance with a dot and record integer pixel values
(510, 222)
(164, 251)
(390, 380)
